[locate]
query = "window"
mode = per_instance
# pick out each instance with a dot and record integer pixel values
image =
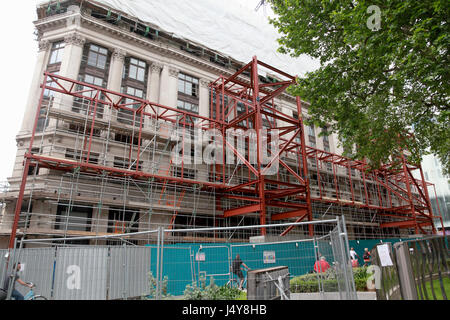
(187, 106)
(56, 53)
(42, 122)
(126, 138)
(325, 137)
(123, 163)
(217, 98)
(93, 80)
(268, 121)
(137, 69)
(187, 173)
(122, 220)
(82, 130)
(326, 141)
(97, 56)
(83, 105)
(134, 92)
(77, 154)
(50, 83)
(187, 85)
(76, 218)
(311, 131)
(127, 116)
(34, 167)
(311, 136)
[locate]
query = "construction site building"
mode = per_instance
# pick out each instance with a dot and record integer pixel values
(95, 153)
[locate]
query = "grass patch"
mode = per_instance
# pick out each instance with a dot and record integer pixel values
(437, 289)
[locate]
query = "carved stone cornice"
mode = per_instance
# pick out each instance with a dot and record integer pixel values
(75, 39)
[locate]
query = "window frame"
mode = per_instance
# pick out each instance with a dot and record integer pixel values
(97, 53)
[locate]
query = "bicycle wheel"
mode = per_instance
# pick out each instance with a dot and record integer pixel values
(39, 298)
(232, 283)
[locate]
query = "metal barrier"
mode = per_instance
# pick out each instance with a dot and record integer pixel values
(268, 284)
(413, 270)
(176, 260)
(423, 267)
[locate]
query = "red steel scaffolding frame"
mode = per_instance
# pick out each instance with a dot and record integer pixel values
(239, 104)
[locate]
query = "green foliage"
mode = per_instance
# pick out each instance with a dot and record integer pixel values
(374, 87)
(151, 294)
(310, 282)
(361, 276)
(212, 292)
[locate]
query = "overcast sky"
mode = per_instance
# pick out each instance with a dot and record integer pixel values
(18, 56)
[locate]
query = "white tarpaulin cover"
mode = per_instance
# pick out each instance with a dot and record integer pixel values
(231, 27)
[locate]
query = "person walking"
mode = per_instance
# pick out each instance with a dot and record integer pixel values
(366, 257)
(353, 254)
(236, 269)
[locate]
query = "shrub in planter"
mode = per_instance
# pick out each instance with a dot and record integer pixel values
(309, 282)
(212, 292)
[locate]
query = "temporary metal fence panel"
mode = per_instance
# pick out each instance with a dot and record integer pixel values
(177, 269)
(3, 265)
(128, 271)
(81, 273)
(37, 265)
(298, 255)
(179, 259)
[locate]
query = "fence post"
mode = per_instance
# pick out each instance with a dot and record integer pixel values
(349, 282)
(161, 262)
(124, 265)
(353, 294)
(317, 258)
(405, 272)
(11, 263)
(158, 245)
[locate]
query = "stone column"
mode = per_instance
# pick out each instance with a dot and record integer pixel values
(204, 103)
(70, 67)
(116, 69)
(152, 91)
(73, 52)
(168, 93)
(153, 84)
(115, 77)
(35, 90)
(203, 110)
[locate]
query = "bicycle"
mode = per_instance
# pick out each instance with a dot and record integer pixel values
(31, 295)
(233, 283)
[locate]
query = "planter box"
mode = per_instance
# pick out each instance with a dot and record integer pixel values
(264, 284)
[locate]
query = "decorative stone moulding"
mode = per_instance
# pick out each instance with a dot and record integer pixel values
(75, 39)
(119, 54)
(44, 45)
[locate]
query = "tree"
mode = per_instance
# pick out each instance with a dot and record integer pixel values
(384, 72)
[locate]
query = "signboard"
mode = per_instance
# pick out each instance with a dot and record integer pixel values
(383, 253)
(200, 256)
(269, 257)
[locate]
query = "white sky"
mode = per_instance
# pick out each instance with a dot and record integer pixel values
(17, 60)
